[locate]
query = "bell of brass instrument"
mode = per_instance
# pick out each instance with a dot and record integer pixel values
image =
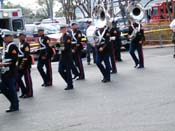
(100, 16)
(135, 12)
(101, 19)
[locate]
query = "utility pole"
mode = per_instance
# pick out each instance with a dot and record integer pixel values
(1, 4)
(112, 6)
(51, 9)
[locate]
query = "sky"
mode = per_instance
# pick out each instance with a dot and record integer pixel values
(32, 4)
(26, 3)
(23, 2)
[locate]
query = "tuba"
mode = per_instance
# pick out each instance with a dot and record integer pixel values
(100, 16)
(135, 12)
(101, 19)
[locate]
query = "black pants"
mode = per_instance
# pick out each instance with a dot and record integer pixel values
(78, 62)
(65, 72)
(46, 76)
(113, 59)
(138, 47)
(26, 88)
(118, 52)
(8, 88)
(105, 69)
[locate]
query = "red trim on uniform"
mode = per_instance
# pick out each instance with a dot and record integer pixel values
(113, 53)
(81, 68)
(142, 55)
(30, 93)
(50, 72)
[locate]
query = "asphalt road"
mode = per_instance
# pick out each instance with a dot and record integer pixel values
(135, 100)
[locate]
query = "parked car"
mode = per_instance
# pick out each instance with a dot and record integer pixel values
(122, 24)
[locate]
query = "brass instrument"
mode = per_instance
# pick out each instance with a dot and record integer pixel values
(135, 12)
(102, 20)
(4, 62)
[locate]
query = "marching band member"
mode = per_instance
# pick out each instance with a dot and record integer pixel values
(136, 34)
(9, 71)
(66, 58)
(45, 56)
(103, 44)
(24, 66)
(117, 42)
(76, 50)
(113, 33)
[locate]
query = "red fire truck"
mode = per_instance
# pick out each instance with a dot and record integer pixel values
(159, 11)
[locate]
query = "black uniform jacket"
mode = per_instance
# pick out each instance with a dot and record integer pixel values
(12, 54)
(77, 36)
(104, 43)
(25, 61)
(45, 51)
(66, 54)
(116, 32)
(139, 35)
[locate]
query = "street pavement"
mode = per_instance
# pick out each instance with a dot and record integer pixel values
(135, 99)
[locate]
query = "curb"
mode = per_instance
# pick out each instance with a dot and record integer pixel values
(158, 46)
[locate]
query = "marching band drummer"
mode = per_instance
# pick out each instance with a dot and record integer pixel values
(24, 66)
(9, 71)
(66, 58)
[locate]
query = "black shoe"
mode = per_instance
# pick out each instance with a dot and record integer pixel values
(12, 110)
(89, 63)
(69, 88)
(47, 85)
(27, 96)
(75, 76)
(43, 84)
(119, 60)
(113, 72)
(80, 78)
(140, 67)
(22, 96)
(105, 80)
(136, 65)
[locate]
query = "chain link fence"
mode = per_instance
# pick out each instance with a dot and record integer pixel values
(158, 34)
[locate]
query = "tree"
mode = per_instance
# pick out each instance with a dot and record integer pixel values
(47, 6)
(69, 7)
(59, 13)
